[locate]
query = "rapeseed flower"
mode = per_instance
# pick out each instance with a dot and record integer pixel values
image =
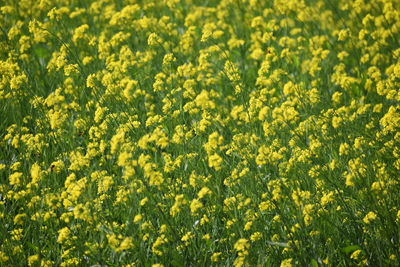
(207, 132)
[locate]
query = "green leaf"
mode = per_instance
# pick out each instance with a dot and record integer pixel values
(32, 246)
(314, 263)
(350, 249)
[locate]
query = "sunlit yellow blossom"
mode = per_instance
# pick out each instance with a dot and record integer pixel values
(195, 205)
(327, 198)
(242, 244)
(33, 259)
(3, 257)
(173, 132)
(344, 149)
(179, 202)
(286, 263)
(157, 244)
(215, 161)
(15, 178)
(371, 216)
(356, 254)
(35, 173)
(203, 192)
(256, 236)
(154, 39)
(186, 238)
(126, 243)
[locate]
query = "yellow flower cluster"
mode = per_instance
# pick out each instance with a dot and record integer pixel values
(197, 133)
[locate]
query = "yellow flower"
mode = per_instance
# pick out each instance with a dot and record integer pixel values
(127, 243)
(371, 216)
(3, 257)
(15, 178)
(78, 161)
(143, 201)
(168, 59)
(113, 240)
(137, 218)
(16, 234)
(206, 35)
(242, 245)
(81, 212)
(344, 149)
(287, 263)
(186, 238)
(203, 101)
(19, 218)
(215, 256)
(79, 33)
(215, 161)
(350, 179)
(124, 158)
(256, 236)
(159, 242)
(203, 192)
(33, 259)
(195, 205)
(206, 237)
(176, 208)
(104, 184)
(336, 121)
(247, 226)
(336, 97)
(327, 198)
(35, 173)
(154, 39)
(343, 34)
(356, 254)
(56, 166)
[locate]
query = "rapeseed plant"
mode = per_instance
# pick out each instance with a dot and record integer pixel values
(171, 133)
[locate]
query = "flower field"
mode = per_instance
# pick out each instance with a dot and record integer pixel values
(199, 133)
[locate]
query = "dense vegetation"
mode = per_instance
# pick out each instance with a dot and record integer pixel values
(198, 133)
